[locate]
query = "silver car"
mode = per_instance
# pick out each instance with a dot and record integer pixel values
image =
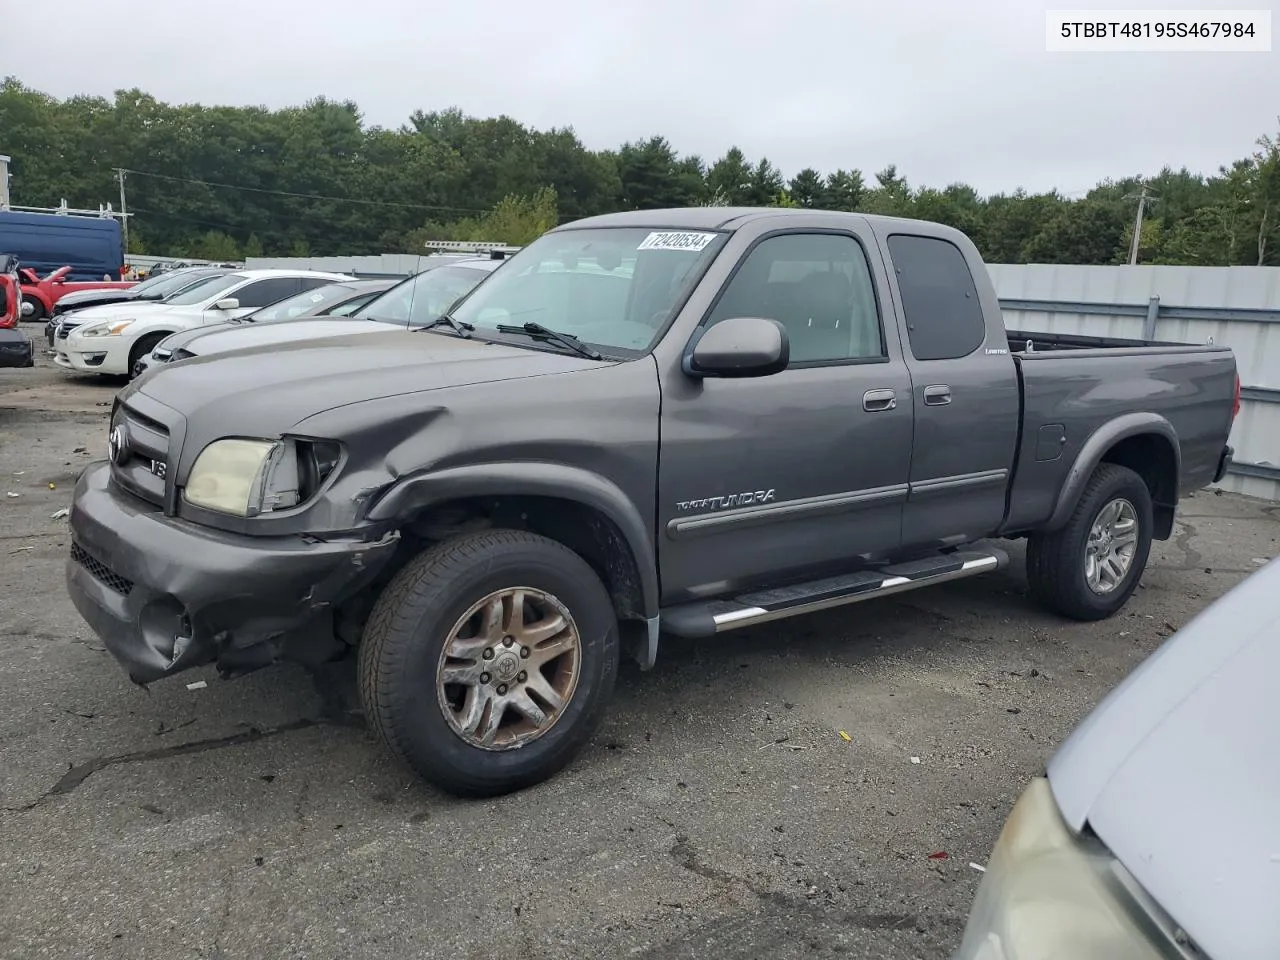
(1156, 831)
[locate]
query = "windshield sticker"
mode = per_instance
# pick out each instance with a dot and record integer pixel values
(674, 240)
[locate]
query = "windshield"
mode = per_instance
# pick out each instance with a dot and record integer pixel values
(423, 297)
(612, 288)
(301, 304)
(202, 290)
(167, 283)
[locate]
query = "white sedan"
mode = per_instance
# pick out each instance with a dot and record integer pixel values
(114, 340)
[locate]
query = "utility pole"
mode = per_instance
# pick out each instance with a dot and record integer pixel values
(1134, 244)
(124, 211)
(4, 182)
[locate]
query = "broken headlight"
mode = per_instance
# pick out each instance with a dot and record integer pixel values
(246, 478)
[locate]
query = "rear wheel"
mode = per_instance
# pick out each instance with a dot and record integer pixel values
(488, 661)
(1090, 568)
(37, 313)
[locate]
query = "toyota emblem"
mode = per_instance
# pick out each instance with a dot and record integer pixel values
(118, 444)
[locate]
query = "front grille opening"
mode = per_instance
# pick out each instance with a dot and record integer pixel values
(100, 571)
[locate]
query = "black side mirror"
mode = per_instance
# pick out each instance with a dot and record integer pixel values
(739, 347)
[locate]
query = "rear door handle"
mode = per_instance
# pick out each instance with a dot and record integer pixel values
(873, 401)
(937, 395)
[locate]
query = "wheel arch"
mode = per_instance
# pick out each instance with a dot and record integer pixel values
(1147, 444)
(582, 510)
(35, 293)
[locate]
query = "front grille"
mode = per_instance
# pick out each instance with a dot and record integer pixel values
(142, 469)
(63, 330)
(100, 571)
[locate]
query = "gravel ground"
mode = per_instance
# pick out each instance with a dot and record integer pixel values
(718, 813)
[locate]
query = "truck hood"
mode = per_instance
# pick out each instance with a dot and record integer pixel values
(266, 391)
(1177, 771)
(221, 337)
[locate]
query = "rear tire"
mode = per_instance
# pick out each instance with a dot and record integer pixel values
(1090, 568)
(37, 310)
(494, 601)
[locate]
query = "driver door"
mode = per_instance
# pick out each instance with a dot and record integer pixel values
(786, 476)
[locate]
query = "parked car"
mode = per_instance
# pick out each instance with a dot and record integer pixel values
(61, 324)
(15, 348)
(1153, 833)
(40, 295)
(685, 420)
(153, 288)
(337, 300)
(411, 302)
(119, 335)
(43, 242)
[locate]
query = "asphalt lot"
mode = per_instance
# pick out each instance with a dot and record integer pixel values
(718, 813)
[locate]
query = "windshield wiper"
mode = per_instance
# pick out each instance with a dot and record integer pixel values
(460, 327)
(537, 330)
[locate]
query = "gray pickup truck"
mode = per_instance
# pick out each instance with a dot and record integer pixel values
(681, 421)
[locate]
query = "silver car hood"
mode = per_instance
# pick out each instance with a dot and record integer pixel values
(1178, 772)
(221, 337)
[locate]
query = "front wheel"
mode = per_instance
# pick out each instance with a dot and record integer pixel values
(488, 661)
(1090, 568)
(142, 348)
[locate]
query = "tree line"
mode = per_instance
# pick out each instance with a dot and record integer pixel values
(227, 182)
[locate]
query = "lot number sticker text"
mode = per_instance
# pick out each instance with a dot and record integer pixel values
(676, 241)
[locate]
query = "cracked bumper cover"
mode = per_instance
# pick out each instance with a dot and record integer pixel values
(166, 595)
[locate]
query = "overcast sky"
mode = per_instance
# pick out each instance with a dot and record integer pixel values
(946, 89)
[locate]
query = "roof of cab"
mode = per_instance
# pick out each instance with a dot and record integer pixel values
(725, 218)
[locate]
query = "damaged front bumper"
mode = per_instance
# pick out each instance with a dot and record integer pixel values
(166, 595)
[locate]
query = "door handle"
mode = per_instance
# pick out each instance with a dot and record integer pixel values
(937, 395)
(873, 401)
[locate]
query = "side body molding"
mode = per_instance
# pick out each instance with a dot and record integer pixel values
(1091, 454)
(531, 479)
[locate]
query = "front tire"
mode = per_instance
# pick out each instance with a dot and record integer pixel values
(140, 349)
(488, 661)
(1090, 568)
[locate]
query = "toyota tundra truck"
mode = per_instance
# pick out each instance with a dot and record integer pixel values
(680, 422)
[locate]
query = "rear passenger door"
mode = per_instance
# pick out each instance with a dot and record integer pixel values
(964, 392)
(762, 479)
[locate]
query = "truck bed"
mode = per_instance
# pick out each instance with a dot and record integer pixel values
(1073, 385)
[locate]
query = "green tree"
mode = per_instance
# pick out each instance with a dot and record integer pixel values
(844, 190)
(730, 177)
(317, 178)
(807, 189)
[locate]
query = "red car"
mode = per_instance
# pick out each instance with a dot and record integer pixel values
(41, 295)
(15, 348)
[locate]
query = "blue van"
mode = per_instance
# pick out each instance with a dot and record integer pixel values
(92, 246)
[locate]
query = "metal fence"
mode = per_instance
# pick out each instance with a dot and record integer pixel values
(1235, 306)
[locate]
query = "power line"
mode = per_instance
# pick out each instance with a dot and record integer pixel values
(307, 196)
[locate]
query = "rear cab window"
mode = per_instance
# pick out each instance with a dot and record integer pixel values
(939, 297)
